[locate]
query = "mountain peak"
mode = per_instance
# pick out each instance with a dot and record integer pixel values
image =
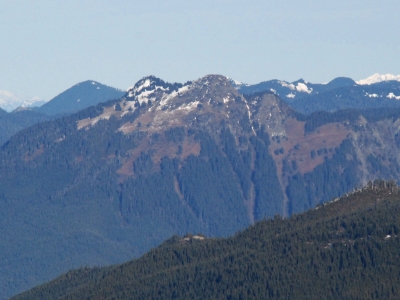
(150, 88)
(235, 83)
(378, 78)
(79, 96)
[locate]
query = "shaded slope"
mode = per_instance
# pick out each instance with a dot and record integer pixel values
(11, 123)
(345, 249)
(80, 96)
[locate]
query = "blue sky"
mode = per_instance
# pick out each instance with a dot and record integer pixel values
(46, 46)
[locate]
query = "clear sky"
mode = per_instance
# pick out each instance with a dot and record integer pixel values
(46, 46)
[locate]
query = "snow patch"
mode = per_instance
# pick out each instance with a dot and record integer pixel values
(288, 85)
(134, 90)
(226, 99)
(393, 96)
(372, 95)
(166, 98)
(301, 87)
(190, 106)
(291, 95)
(144, 97)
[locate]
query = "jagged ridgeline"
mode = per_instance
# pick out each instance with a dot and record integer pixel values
(344, 249)
(112, 181)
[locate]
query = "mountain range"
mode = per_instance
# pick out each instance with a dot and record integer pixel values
(111, 181)
(77, 97)
(376, 91)
(10, 101)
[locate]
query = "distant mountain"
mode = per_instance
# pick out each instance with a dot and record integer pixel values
(112, 181)
(289, 91)
(25, 113)
(80, 96)
(376, 95)
(345, 249)
(376, 78)
(10, 101)
(376, 91)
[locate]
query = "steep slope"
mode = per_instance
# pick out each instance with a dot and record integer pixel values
(345, 249)
(80, 96)
(108, 183)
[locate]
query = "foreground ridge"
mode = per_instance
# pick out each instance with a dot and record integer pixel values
(347, 249)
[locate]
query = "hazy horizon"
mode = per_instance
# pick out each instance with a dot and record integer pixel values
(48, 47)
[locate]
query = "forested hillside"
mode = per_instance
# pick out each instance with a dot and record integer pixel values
(112, 181)
(344, 249)
(11, 123)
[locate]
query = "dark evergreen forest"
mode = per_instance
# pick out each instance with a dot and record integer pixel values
(344, 249)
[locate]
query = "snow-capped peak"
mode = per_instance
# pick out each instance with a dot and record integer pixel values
(378, 78)
(10, 101)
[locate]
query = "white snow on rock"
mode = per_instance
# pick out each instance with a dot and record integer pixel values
(144, 96)
(288, 85)
(190, 106)
(235, 82)
(291, 95)
(393, 96)
(301, 87)
(372, 95)
(378, 78)
(136, 89)
(164, 101)
(226, 99)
